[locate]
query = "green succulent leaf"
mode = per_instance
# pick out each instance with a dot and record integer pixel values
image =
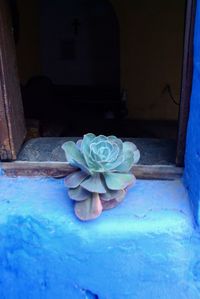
(100, 154)
(103, 177)
(101, 151)
(111, 166)
(74, 156)
(128, 157)
(79, 143)
(127, 164)
(85, 146)
(74, 179)
(79, 194)
(118, 181)
(129, 146)
(131, 156)
(89, 209)
(94, 166)
(94, 184)
(116, 141)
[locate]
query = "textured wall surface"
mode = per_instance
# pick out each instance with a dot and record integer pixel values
(145, 248)
(192, 169)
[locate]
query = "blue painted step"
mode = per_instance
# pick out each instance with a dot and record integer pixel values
(146, 248)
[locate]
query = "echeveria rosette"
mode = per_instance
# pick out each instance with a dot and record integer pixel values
(102, 173)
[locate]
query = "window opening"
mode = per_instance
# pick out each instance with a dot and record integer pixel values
(107, 67)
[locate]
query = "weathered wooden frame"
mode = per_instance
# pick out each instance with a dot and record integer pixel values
(61, 169)
(12, 129)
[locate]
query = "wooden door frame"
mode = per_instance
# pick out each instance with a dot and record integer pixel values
(12, 129)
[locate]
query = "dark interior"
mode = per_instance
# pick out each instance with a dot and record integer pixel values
(79, 86)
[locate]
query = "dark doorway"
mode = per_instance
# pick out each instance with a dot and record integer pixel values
(79, 62)
(76, 57)
(104, 66)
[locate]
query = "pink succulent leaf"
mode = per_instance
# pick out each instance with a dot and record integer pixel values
(74, 179)
(89, 209)
(113, 194)
(103, 177)
(94, 184)
(118, 181)
(108, 205)
(78, 194)
(121, 196)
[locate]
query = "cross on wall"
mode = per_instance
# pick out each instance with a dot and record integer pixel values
(76, 24)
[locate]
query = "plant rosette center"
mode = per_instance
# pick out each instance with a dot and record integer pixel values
(102, 173)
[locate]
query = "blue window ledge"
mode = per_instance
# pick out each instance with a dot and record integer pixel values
(146, 248)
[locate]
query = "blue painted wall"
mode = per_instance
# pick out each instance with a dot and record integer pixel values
(146, 248)
(192, 161)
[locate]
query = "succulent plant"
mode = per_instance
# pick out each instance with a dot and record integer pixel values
(102, 173)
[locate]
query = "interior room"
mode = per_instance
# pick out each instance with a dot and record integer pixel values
(103, 66)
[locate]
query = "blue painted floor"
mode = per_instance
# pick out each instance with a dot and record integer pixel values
(145, 248)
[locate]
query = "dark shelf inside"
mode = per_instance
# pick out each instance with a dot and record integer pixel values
(153, 151)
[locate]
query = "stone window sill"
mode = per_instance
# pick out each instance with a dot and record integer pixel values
(44, 157)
